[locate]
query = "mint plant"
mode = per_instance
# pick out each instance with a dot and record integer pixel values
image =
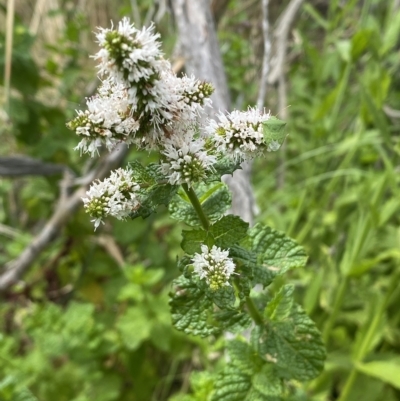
(142, 103)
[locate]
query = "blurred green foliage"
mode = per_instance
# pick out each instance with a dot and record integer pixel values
(91, 320)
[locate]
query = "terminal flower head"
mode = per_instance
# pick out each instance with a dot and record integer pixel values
(214, 265)
(239, 134)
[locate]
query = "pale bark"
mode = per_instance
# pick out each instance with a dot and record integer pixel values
(200, 49)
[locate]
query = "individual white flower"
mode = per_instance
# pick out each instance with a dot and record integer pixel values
(214, 265)
(185, 159)
(239, 134)
(115, 196)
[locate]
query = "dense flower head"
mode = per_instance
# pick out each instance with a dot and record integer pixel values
(185, 159)
(142, 101)
(107, 120)
(214, 265)
(128, 54)
(115, 196)
(195, 93)
(239, 134)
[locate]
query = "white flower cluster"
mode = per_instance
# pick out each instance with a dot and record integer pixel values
(115, 196)
(107, 119)
(239, 134)
(185, 160)
(214, 265)
(142, 101)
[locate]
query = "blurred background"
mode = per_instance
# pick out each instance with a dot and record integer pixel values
(85, 315)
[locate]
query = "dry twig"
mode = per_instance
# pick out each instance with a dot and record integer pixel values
(64, 210)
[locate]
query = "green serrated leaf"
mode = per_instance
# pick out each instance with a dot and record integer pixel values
(222, 167)
(280, 306)
(233, 320)
(223, 297)
(276, 253)
(234, 384)
(192, 240)
(215, 201)
(267, 384)
(231, 385)
(293, 345)
(246, 263)
(243, 357)
(229, 230)
(274, 133)
(154, 191)
(243, 256)
(152, 197)
(191, 309)
(142, 175)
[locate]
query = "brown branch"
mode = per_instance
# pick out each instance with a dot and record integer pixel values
(19, 165)
(64, 210)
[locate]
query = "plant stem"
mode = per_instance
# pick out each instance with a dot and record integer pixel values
(194, 200)
(254, 312)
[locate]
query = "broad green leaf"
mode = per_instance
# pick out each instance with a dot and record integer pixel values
(274, 133)
(142, 175)
(134, 327)
(276, 253)
(293, 345)
(243, 357)
(228, 231)
(387, 371)
(280, 306)
(224, 297)
(151, 198)
(267, 383)
(191, 309)
(215, 201)
(192, 240)
(233, 320)
(243, 257)
(245, 264)
(231, 385)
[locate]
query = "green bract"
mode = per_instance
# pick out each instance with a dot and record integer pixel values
(274, 133)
